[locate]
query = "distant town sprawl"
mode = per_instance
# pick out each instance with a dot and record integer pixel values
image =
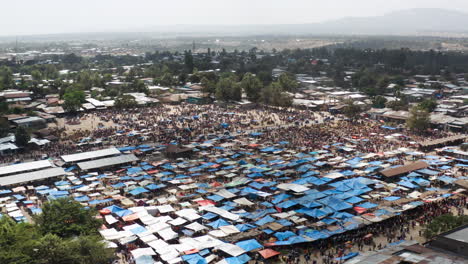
(425, 89)
(302, 156)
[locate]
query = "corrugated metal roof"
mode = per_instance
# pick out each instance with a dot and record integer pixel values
(90, 155)
(17, 168)
(106, 162)
(404, 169)
(32, 176)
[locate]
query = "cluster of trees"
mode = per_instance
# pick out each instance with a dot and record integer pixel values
(73, 99)
(230, 88)
(419, 119)
(443, 224)
(125, 101)
(65, 233)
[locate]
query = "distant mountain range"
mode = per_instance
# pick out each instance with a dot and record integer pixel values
(411, 22)
(405, 22)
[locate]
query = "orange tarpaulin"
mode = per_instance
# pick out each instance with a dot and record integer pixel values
(104, 211)
(192, 251)
(131, 217)
(152, 171)
(254, 145)
(268, 253)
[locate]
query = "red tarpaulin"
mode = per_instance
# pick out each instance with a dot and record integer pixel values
(216, 184)
(360, 210)
(206, 202)
(268, 253)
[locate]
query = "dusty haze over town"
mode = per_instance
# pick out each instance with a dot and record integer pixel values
(54, 16)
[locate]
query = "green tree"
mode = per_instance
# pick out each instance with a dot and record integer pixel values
(208, 85)
(139, 86)
(92, 250)
(418, 120)
(3, 107)
(288, 82)
(125, 101)
(379, 102)
(22, 136)
(81, 250)
(6, 78)
(188, 60)
(443, 224)
(166, 80)
(429, 105)
(23, 243)
(275, 95)
(252, 87)
(352, 110)
(73, 98)
(398, 105)
(228, 90)
(16, 241)
(36, 75)
(4, 127)
(67, 218)
(53, 249)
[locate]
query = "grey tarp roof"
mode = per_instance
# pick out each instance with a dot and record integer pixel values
(28, 166)
(32, 176)
(90, 155)
(106, 162)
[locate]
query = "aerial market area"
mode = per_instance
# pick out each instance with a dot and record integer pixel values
(169, 159)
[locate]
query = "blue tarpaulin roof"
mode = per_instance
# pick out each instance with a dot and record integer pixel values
(244, 227)
(284, 235)
(391, 198)
(218, 223)
(249, 245)
(244, 258)
(138, 190)
(280, 197)
(265, 220)
(367, 205)
(194, 259)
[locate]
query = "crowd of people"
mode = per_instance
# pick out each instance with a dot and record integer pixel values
(186, 123)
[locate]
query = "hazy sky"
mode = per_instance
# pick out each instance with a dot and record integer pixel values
(19, 17)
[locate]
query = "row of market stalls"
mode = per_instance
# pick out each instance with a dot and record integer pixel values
(241, 198)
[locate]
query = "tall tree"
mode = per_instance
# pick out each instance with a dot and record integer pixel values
(22, 136)
(418, 120)
(188, 60)
(379, 102)
(352, 110)
(228, 90)
(276, 96)
(67, 218)
(429, 105)
(288, 82)
(252, 87)
(73, 98)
